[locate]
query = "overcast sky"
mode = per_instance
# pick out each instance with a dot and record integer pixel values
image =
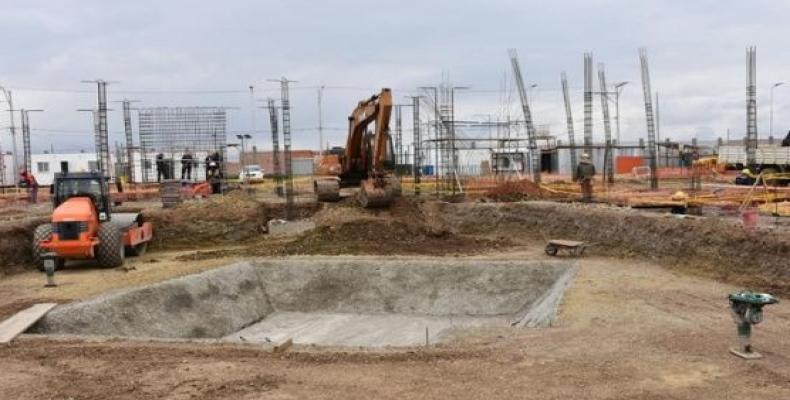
(187, 53)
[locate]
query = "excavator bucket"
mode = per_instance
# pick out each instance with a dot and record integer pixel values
(372, 195)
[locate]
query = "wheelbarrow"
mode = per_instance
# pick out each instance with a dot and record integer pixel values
(571, 246)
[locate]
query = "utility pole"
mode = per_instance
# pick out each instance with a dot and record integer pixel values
(103, 149)
(617, 88)
(26, 138)
(252, 108)
(10, 100)
(771, 121)
(436, 131)
(607, 128)
(320, 121)
(531, 135)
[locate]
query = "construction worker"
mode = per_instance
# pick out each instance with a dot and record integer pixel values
(186, 165)
(746, 177)
(161, 168)
(585, 172)
(27, 180)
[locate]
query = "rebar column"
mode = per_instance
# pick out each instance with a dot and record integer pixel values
(569, 122)
(26, 141)
(289, 182)
(398, 137)
(275, 146)
(588, 99)
(531, 135)
(127, 127)
(104, 146)
(651, 128)
(607, 127)
(751, 105)
(417, 141)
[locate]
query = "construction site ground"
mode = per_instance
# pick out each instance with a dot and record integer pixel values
(645, 318)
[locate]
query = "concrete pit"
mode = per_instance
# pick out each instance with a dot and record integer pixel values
(342, 302)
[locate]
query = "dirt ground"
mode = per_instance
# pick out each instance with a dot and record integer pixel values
(646, 318)
(627, 330)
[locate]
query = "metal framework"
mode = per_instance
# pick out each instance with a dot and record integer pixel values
(171, 130)
(651, 128)
(751, 105)
(569, 122)
(534, 152)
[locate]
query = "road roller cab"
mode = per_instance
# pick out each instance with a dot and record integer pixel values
(84, 227)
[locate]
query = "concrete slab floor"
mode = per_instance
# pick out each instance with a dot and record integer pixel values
(366, 330)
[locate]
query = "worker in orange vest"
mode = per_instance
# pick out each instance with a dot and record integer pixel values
(27, 180)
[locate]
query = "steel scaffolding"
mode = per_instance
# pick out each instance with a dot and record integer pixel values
(169, 130)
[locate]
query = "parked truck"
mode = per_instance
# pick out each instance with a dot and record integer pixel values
(772, 160)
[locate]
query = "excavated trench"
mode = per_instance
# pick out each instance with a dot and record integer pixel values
(343, 301)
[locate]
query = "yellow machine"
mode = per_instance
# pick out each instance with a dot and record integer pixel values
(368, 159)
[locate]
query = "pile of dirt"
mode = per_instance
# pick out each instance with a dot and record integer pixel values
(516, 190)
(228, 219)
(407, 226)
(702, 246)
(386, 237)
(16, 239)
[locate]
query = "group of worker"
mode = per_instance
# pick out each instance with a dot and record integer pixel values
(213, 173)
(165, 171)
(585, 173)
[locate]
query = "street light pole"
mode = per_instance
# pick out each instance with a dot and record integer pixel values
(320, 122)
(9, 99)
(771, 120)
(436, 130)
(617, 88)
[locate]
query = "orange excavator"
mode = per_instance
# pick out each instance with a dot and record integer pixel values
(368, 158)
(84, 227)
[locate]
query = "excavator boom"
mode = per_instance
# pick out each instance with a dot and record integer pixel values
(365, 160)
(377, 108)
